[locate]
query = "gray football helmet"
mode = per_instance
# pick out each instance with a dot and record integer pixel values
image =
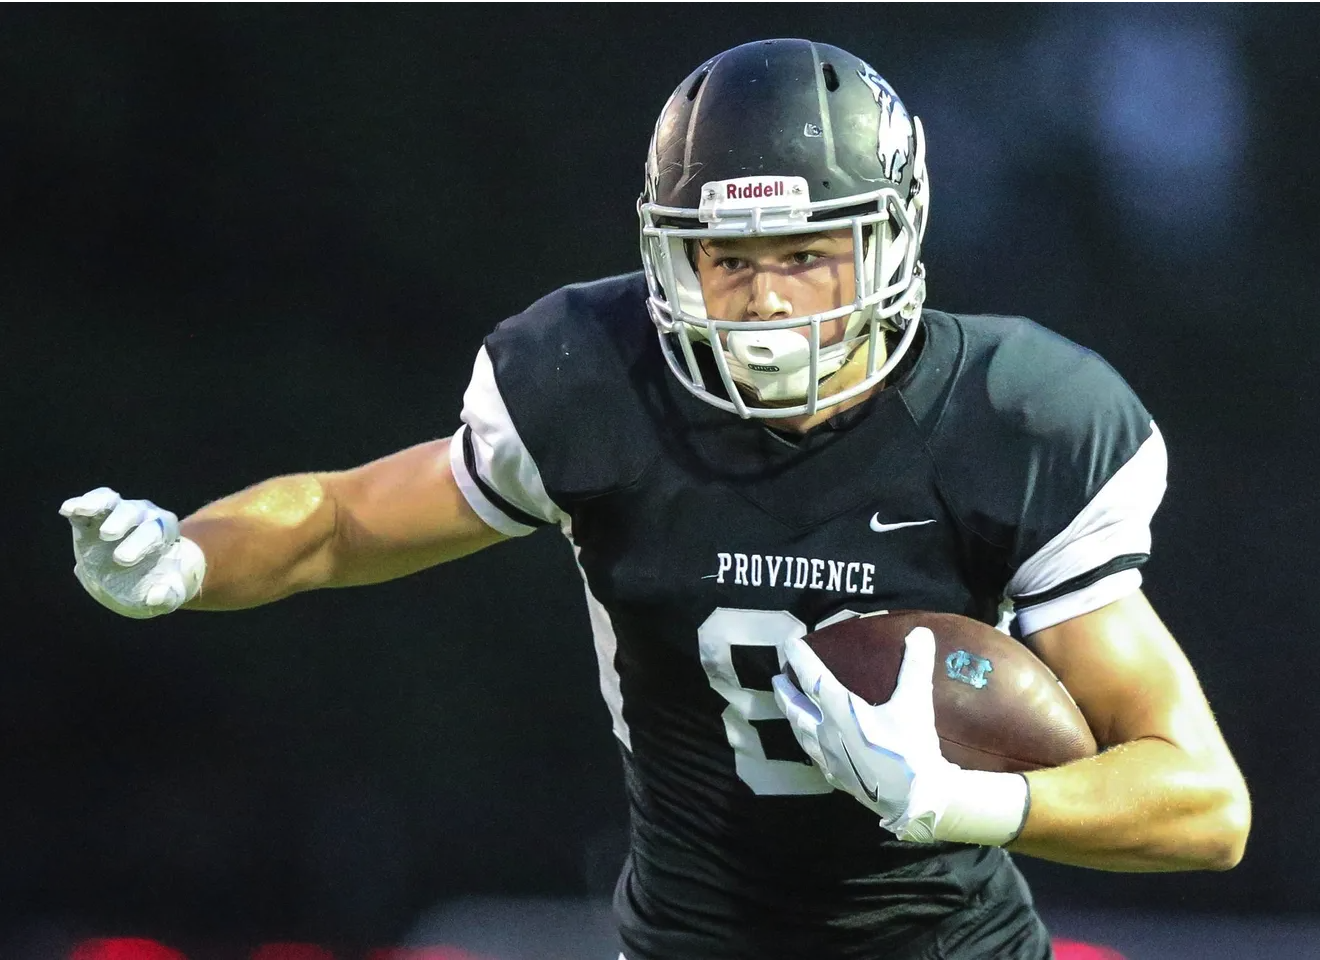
(784, 137)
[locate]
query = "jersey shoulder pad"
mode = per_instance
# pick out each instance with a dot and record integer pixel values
(1033, 427)
(563, 331)
(1044, 386)
(563, 368)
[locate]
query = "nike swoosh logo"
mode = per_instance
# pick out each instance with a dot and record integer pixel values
(872, 792)
(879, 527)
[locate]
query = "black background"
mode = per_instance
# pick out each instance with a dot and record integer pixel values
(249, 240)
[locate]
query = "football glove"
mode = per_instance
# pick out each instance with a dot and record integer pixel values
(888, 756)
(129, 556)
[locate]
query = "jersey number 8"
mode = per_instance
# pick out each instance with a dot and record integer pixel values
(718, 637)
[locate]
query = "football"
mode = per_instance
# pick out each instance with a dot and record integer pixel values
(997, 706)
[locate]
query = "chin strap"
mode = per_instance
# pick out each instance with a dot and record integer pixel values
(911, 308)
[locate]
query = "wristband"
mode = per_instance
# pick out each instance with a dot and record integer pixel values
(977, 807)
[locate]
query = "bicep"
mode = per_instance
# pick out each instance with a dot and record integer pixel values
(400, 514)
(1130, 678)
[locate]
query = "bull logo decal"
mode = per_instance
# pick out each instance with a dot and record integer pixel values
(968, 668)
(894, 136)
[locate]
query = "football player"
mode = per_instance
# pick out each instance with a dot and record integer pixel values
(760, 432)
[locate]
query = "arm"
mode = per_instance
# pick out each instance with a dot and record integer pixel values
(385, 519)
(1167, 794)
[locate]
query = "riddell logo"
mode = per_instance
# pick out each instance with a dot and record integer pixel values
(752, 191)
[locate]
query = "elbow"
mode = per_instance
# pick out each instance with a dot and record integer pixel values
(1226, 840)
(1234, 827)
(1211, 831)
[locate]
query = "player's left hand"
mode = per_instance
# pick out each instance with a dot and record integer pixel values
(887, 756)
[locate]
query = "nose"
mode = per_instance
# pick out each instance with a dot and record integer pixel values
(768, 301)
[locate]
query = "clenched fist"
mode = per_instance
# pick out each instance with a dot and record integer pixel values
(129, 556)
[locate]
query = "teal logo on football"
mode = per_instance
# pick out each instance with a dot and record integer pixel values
(968, 668)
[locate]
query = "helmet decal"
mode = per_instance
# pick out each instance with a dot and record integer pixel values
(894, 133)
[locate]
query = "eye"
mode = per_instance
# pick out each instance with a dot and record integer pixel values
(805, 258)
(730, 264)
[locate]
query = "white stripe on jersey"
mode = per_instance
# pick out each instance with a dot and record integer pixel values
(607, 643)
(1116, 522)
(502, 460)
(480, 503)
(1116, 586)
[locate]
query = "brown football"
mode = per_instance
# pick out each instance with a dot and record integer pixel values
(997, 706)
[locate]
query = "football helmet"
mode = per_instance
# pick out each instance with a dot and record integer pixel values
(784, 137)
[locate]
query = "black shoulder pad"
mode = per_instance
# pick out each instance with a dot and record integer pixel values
(1033, 426)
(566, 369)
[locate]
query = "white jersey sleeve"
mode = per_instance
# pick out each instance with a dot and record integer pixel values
(1088, 564)
(492, 465)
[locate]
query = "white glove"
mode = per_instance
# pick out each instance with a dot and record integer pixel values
(888, 756)
(152, 571)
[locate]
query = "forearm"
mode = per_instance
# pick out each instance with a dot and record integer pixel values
(263, 543)
(1144, 806)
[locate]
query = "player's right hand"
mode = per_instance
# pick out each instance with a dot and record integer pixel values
(129, 556)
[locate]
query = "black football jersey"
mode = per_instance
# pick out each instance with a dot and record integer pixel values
(1003, 465)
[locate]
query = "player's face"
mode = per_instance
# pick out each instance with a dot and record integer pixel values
(775, 278)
